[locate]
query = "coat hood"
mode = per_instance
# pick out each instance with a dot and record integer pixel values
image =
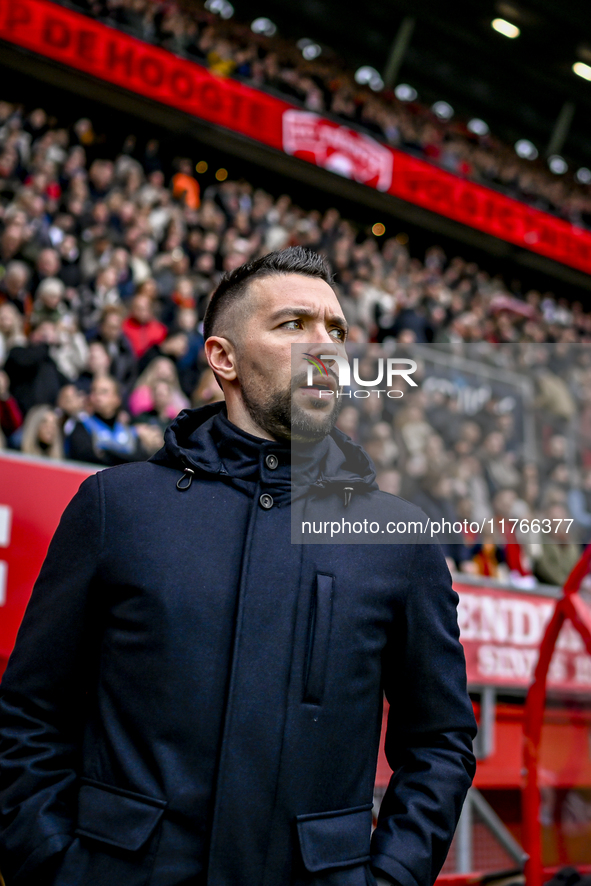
(204, 441)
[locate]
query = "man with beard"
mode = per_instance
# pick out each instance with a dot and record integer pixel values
(195, 700)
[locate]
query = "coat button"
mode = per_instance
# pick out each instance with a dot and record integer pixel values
(272, 462)
(266, 501)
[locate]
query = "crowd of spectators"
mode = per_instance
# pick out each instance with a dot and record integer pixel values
(326, 85)
(105, 272)
(504, 461)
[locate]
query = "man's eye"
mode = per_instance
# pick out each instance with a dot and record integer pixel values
(339, 333)
(297, 324)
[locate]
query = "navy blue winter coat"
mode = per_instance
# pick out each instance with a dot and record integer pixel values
(195, 700)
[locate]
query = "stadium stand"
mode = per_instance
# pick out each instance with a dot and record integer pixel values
(106, 270)
(327, 86)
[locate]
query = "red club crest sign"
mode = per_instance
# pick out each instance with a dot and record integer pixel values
(337, 148)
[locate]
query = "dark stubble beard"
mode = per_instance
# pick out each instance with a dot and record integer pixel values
(278, 415)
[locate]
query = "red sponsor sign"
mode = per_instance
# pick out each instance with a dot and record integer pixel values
(33, 496)
(501, 631)
(87, 45)
(110, 55)
(334, 147)
(486, 210)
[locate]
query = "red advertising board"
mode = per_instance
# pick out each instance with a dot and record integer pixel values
(501, 630)
(33, 496)
(86, 45)
(108, 54)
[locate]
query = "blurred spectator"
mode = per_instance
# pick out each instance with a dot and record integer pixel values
(48, 264)
(95, 257)
(579, 506)
(415, 431)
(185, 347)
(381, 446)
(49, 302)
(33, 373)
(70, 261)
(70, 350)
(71, 403)
(507, 507)
(110, 334)
(101, 437)
(469, 483)
(141, 399)
(102, 293)
(435, 497)
(10, 415)
(487, 558)
(97, 366)
(11, 330)
(185, 186)
(348, 422)
(555, 559)
(141, 328)
(499, 465)
(220, 59)
(41, 433)
(554, 396)
(163, 407)
(14, 287)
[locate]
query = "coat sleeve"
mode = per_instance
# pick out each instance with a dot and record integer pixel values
(430, 728)
(42, 697)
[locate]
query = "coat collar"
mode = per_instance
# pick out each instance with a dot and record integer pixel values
(207, 442)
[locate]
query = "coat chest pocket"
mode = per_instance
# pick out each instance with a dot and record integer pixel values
(318, 638)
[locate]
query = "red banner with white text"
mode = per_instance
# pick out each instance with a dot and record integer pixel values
(33, 496)
(79, 42)
(501, 631)
(108, 54)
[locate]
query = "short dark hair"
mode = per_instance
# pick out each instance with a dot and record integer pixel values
(234, 285)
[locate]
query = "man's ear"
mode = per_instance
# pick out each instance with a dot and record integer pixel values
(221, 356)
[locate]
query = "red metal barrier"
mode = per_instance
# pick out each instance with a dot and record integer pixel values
(570, 606)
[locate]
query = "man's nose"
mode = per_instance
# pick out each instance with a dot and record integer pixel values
(321, 337)
(326, 346)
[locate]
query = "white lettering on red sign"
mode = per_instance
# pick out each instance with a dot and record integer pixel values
(337, 148)
(5, 524)
(503, 633)
(502, 620)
